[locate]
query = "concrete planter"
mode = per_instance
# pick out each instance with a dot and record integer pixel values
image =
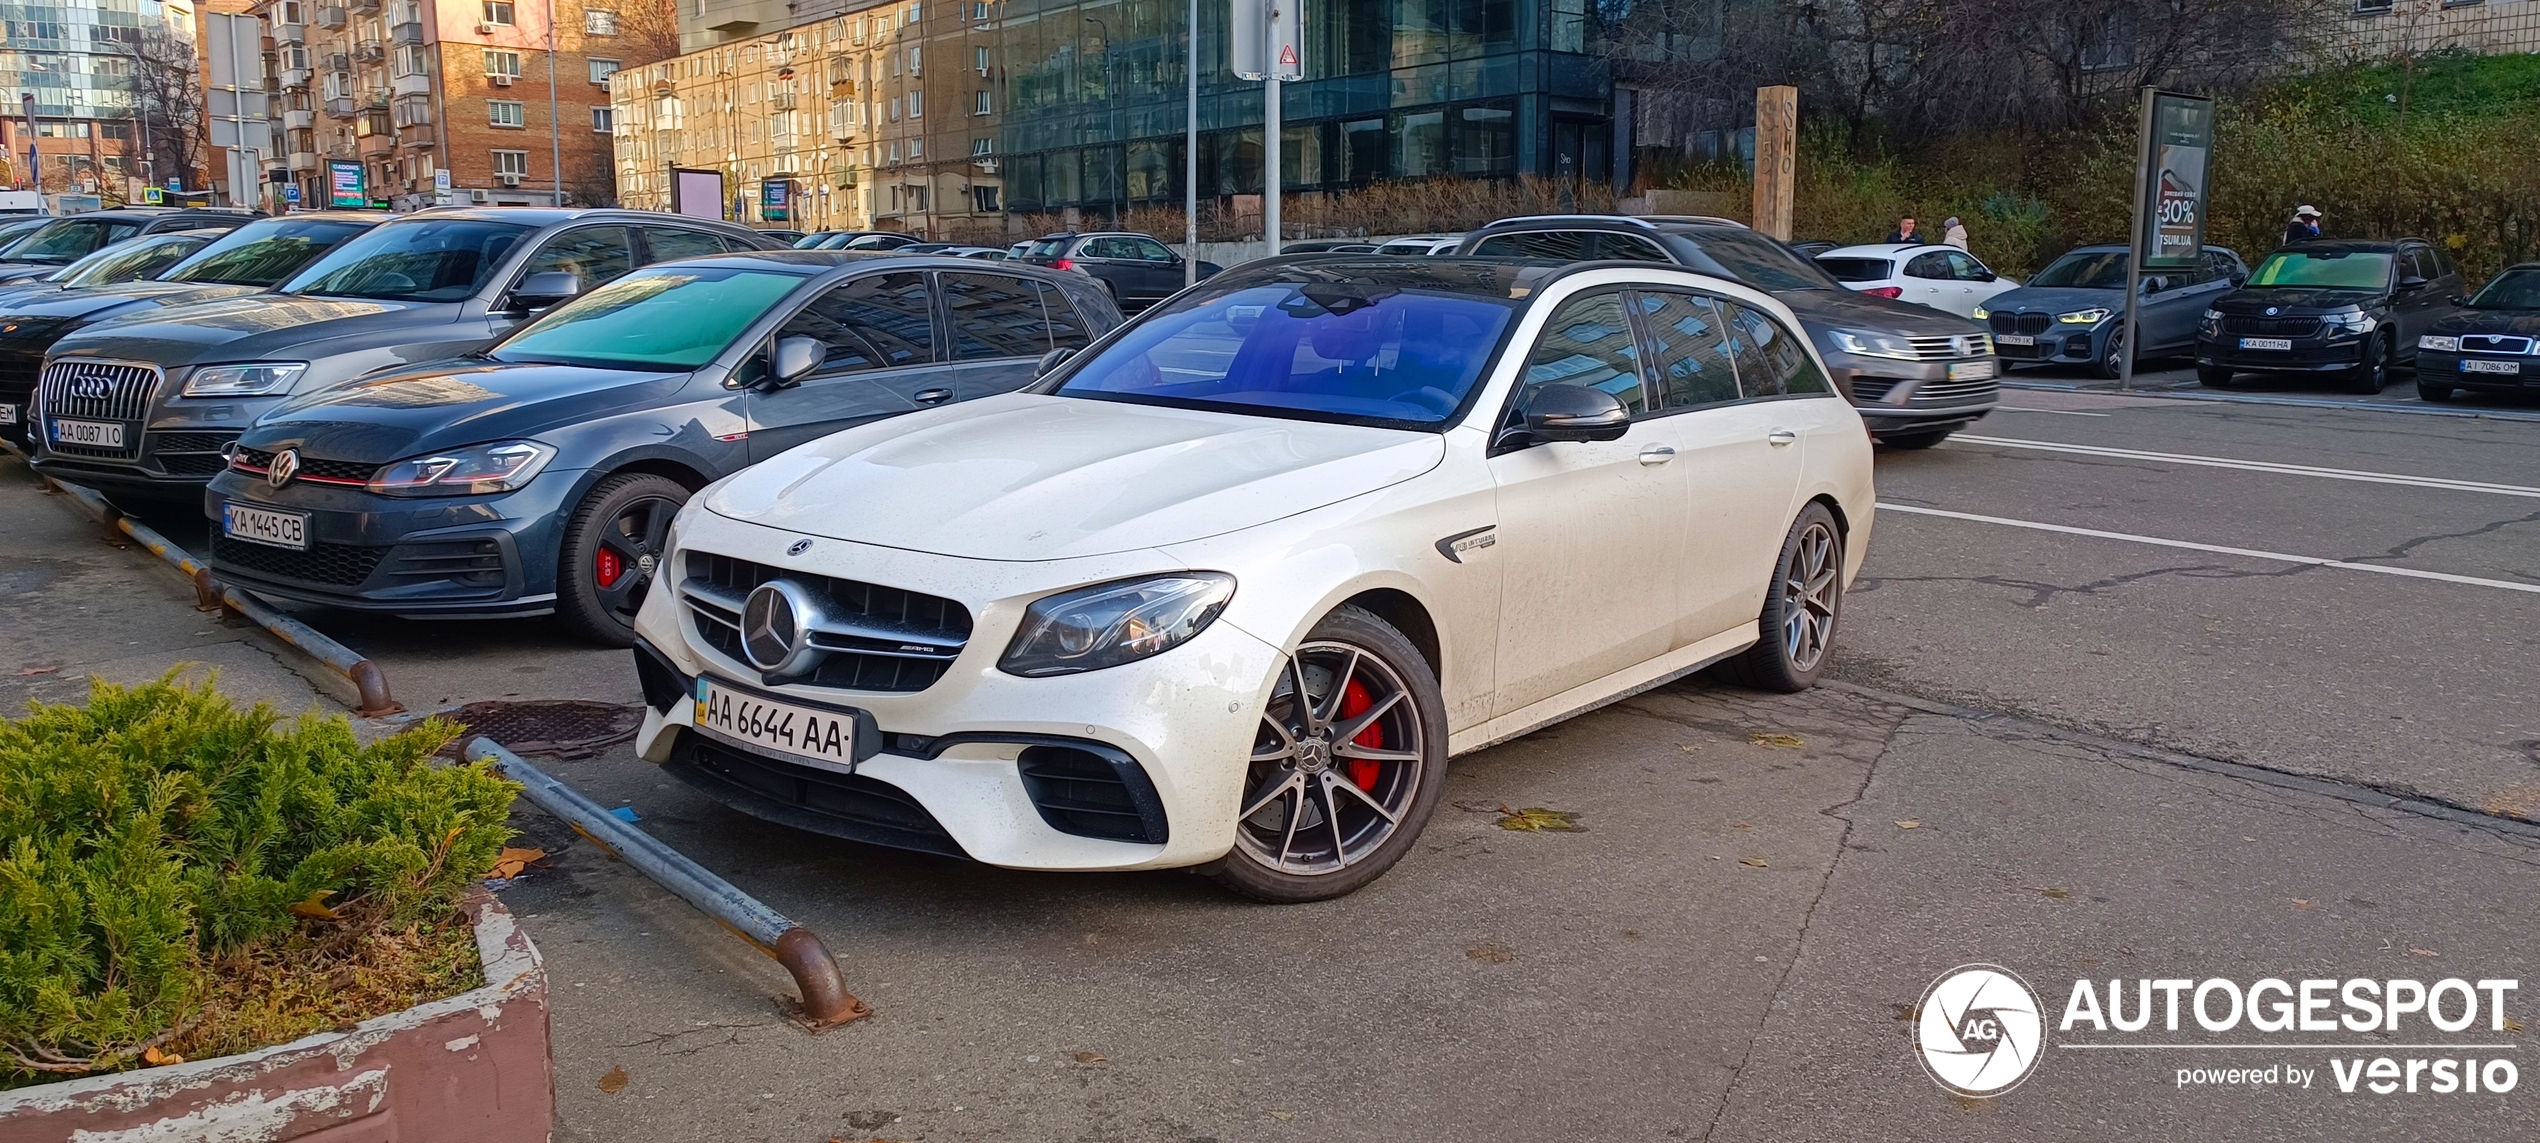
(473, 1067)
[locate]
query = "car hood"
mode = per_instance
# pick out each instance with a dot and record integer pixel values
(2295, 299)
(2054, 300)
(2525, 322)
(255, 326)
(1028, 477)
(1849, 309)
(123, 299)
(449, 403)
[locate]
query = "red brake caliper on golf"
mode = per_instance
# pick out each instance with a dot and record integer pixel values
(610, 568)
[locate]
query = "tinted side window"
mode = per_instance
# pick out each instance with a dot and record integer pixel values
(670, 243)
(1111, 248)
(1588, 342)
(1693, 365)
(874, 322)
(1964, 268)
(1629, 247)
(1771, 361)
(1928, 266)
(1068, 327)
(1150, 249)
(1559, 245)
(994, 316)
(593, 253)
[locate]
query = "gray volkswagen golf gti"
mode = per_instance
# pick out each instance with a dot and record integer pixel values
(414, 289)
(541, 475)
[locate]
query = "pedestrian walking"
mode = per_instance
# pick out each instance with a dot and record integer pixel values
(2305, 225)
(1954, 232)
(1904, 232)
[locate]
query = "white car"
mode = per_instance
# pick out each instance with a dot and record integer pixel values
(1942, 277)
(1229, 588)
(1421, 245)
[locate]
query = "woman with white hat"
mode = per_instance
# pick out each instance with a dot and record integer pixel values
(2305, 225)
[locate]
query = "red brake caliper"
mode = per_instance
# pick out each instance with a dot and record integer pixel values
(1354, 702)
(610, 568)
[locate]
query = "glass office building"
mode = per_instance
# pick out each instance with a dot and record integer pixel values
(1094, 95)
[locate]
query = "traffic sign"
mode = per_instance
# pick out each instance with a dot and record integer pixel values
(291, 194)
(1267, 37)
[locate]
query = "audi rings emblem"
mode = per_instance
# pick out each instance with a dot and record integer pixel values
(286, 464)
(776, 623)
(798, 547)
(92, 388)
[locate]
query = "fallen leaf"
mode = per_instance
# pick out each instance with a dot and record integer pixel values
(2423, 952)
(1536, 819)
(615, 1081)
(1092, 1058)
(156, 1058)
(1757, 862)
(38, 671)
(2246, 838)
(2058, 894)
(1283, 1116)
(1491, 952)
(2512, 1025)
(1909, 823)
(314, 907)
(1778, 741)
(1688, 749)
(513, 861)
(2299, 903)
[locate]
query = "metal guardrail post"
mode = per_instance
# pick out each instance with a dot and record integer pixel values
(826, 1002)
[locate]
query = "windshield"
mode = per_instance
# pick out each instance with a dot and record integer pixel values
(670, 318)
(1049, 248)
(1351, 351)
(1857, 269)
(17, 232)
(419, 260)
(66, 240)
(2095, 270)
(2511, 290)
(1759, 261)
(266, 251)
(2339, 269)
(139, 258)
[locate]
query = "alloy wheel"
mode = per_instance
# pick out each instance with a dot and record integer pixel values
(1809, 587)
(1336, 763)
(629, 554)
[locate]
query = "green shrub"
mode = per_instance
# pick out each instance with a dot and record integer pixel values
(161, 837)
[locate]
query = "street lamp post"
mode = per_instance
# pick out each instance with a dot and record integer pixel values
(555, 127)
(1190, 160)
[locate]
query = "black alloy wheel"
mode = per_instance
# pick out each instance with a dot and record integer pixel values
(2111, 363)
(613, 548)
(2374, 373)
(1801, 608)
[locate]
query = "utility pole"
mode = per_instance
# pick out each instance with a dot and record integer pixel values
(555, 127)
(1190, 162)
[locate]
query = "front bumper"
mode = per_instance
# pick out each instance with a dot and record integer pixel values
(168, 456)
(2060, 344)
(467, 557)
(2441, 368)
(1896, 396)
(971, 753)
(2308, 355)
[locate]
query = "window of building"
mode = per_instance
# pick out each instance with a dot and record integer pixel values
(601, 70)
(916, 104)
(288, 12)
(979, 104)
(508, 112)
(983, 146)
(512, 163)
(983, 60)
(984, 199)
(411, 60)
(499, 62)
(916, 149)
(498, 12)
(895, 157)
(599, 22)
(603, 119)
(114, 131)
(916, 66)
(895, 109)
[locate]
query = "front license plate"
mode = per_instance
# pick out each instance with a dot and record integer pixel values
(754, 720)
(1971, 371)
(2506, 367)
(95, 434)
(2266, 343)
(265, 526)
(8, 414)
(2015, 339)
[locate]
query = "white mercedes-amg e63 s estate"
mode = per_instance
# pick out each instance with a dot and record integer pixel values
(1228, 588)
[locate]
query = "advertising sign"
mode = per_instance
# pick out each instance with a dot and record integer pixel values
(2178, 146)
(344, 184)
(696, 193)
(775, 197)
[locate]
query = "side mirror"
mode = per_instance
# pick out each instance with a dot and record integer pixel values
(2412, 282)
(793, 359)
(2239, 279)
(2151, 286)
(2458, 299)
(1575, 413)
(1052, 360)
(1987, 276)
(539, 291)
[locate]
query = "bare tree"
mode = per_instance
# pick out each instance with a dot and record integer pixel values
(167, 101)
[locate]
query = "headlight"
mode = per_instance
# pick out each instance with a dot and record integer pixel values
(497, 467)
(2213, 315)
(2092, 316)
(1981, 312)
(1869, 344)
(256, 380)
(1114, 623)
(2351, 321)
(2440, 343)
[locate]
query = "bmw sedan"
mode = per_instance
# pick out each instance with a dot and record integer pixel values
(541, 475)
(1229, 588)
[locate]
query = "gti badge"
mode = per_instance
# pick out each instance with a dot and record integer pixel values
(286, 464)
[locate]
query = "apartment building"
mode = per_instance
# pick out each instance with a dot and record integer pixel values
(884, 117)
(412, 103)
(75, 60)
(2371, 29)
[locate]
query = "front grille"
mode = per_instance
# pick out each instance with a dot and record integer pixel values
(2494, 343)
(473, 563)
(336, 565)
(99, 390)
(1954, 392)
(2271, 326)
(259, 461)
(851, 806)
(1872, 389)
(1945, 348)
(190, 454)
(190, 463)
(1082, 793)
(2020, 323)
(876, 638)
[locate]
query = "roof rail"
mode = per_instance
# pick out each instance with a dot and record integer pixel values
(1632, 219)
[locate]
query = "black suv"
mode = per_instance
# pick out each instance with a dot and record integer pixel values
(1138, 270)
(1916, 374)
(72, 237)
(2350, 309)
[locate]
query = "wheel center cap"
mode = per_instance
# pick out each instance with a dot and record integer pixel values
(645, 562)
(1313, 754)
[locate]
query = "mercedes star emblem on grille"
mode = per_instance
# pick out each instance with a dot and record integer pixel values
(776, 622)
(286, 464)
(798, 547)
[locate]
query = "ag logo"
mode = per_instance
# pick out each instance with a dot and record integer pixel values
(1979, 1031)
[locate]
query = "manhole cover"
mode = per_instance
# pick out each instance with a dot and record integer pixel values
(555, 728)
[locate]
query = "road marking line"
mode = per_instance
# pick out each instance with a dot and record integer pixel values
(2253, 553)
(2057, 412)
(2260, 466)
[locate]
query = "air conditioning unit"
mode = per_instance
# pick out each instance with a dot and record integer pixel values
(500, 80)
(509, 180)
(485, 29)
(476, 196)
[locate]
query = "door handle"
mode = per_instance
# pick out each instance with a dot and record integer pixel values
(1779, 437)
(1657, 454)
(933, 396)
